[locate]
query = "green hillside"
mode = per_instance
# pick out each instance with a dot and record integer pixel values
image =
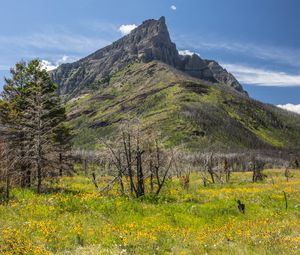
(186, 111)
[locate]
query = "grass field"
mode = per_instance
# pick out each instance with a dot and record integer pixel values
(74, 219)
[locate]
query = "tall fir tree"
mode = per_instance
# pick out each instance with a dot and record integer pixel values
(31, 112)
(12, 106)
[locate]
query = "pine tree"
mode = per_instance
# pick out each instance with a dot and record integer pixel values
(31, 112)
(44, 112)
(12, 106)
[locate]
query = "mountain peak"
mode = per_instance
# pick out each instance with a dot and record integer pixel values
(152, 28)
(161, 20)
(153, 42)
(149, 41)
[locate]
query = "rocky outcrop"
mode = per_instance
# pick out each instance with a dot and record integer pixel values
(197, 67)
(222, 76)
(150, 41)
(209, 70)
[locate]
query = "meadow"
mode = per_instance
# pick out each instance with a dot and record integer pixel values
(72, 217)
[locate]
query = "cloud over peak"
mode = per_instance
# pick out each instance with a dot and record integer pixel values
(187, 53)
(291, 107)
(48, 65)
(126, 29)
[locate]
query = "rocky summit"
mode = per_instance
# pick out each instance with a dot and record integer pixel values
(150, 41)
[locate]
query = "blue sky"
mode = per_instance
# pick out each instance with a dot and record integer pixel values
(256, 40)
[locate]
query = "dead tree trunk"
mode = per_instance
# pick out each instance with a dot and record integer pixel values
(287, 172)
(185, 181)
(60, 164)
(161, 181)
(85, 166)
(226, 170)
(285, 199)
(211, 173)
(151, 175)
(128, 155)
(120, 175)
(210, 168)
(94, 180)
(39, 155)
(257, 169)
(7, 186)
(139, 173)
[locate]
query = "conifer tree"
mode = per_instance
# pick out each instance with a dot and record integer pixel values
(44, 112)
(12, 106)
(31, 112)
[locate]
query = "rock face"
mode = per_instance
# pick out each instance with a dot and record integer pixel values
(197, 67)
(209, 70)
(221, 75)
(150, 41)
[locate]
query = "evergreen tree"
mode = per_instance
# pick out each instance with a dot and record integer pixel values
(44, 112)
(31, 112)
(12, 106)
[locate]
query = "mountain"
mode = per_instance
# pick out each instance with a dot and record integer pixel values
(191, 102)
(150, 41)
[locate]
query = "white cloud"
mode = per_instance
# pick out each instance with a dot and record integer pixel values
(262, 77)
(187, 53)
(173, 8)
(126, 29)
(291, 107)
(48, 65)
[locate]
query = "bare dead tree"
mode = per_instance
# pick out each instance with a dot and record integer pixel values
(127, 145)
(257, 166)
(137, 158)
(94, 180)
(118, 161)
(227, 169)
(209, 167)
(185, 181)
(161, 168)
(287, 172)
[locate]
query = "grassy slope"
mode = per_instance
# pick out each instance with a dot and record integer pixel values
(186, 111)
(77, 220)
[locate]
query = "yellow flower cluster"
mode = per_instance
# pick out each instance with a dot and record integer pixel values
(77, 229)
(14, 242)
